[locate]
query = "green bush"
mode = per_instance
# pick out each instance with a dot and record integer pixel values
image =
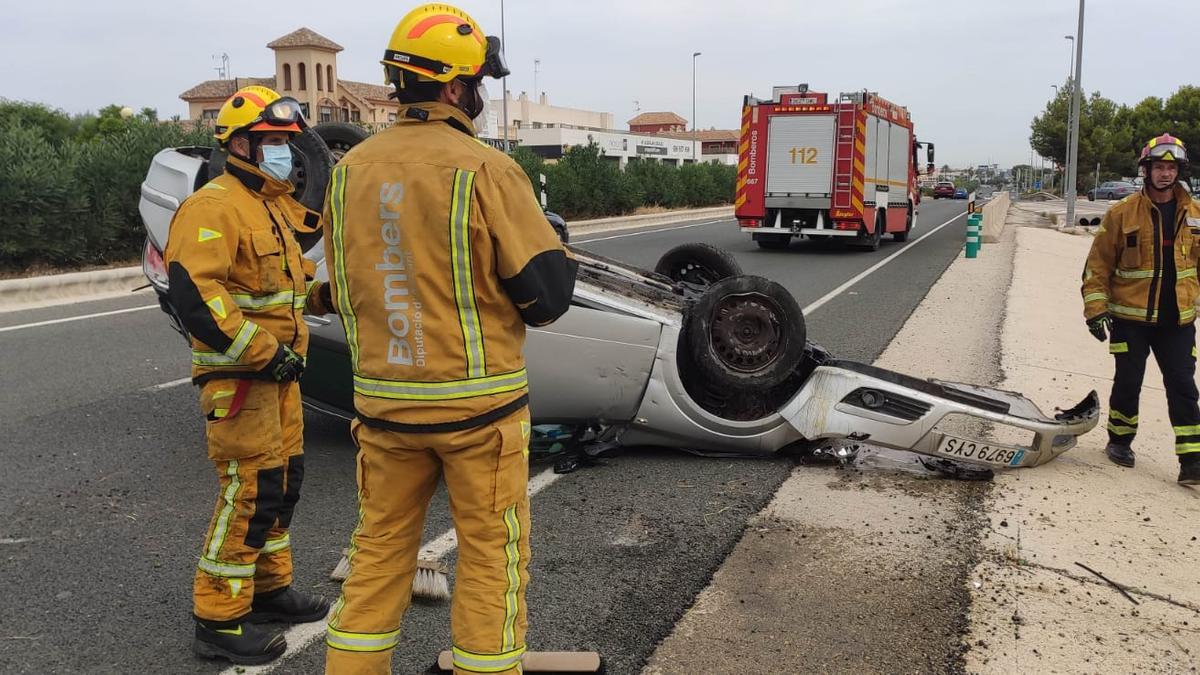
(69, 193)
(70, 186)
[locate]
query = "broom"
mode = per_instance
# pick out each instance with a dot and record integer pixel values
(431, 582)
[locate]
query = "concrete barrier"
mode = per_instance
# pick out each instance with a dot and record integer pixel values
(58, 289)
(582, 227)
(995, 212)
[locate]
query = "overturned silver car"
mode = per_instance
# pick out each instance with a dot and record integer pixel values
(694, 355)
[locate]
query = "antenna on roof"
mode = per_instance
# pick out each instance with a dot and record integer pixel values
(223, 69)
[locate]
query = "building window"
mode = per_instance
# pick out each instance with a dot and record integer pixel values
(287, 77)
(319, 74)
(355, 116)
(391, 117)
(303, 76)
(304, 110)
(329, 77)
(326, 114)
(210, 113)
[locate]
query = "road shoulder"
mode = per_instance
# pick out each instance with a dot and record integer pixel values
(1033, 607)
(851, 570)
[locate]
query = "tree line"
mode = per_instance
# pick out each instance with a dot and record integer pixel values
(1111, 134)
(70, 184)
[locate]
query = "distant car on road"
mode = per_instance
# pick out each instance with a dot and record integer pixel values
(943, 188)
(960, 193)
(1114, 189)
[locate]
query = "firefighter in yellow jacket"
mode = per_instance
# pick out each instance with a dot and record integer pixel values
(1140, 283)
(439, 255)
(239, 285)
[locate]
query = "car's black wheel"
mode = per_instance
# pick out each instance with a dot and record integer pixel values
(1091, 196)
(340, 137)
(312, 164)
(559, 225)
(773, 241)
(697, 266)
(746, 333)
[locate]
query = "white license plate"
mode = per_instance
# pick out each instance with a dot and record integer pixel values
(965, 449)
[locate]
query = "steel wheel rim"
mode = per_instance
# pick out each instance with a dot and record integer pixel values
(746, 334)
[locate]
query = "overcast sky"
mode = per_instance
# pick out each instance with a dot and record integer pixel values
(973, 74)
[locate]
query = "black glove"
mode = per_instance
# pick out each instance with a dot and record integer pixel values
(286, 365)
(1099, 326)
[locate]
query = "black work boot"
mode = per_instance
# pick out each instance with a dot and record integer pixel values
(1121, 455)
(1189, 469)
(287, 605)
(241, 643)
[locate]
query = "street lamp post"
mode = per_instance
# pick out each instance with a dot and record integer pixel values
(695, 157)
(504, 80)
(1073, 150)
(1070, 76)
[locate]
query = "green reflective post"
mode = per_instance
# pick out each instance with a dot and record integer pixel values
(974, 234)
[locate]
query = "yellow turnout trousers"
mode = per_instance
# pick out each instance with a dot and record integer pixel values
(257, 451)
(486, 470)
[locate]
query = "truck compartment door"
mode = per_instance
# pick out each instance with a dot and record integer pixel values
(800, 157)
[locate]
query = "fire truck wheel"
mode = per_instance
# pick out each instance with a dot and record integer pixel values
(908, 224)
(340, 136)
(746, 333)
(310, 174)
(773, 241)
(870, 242)
(697, 266)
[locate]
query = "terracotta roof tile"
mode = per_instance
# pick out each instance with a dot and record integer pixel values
(223, 89)
(304, 37)
(657, 118)
(703, 135)
(371, 92)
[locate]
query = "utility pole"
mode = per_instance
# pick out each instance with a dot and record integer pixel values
(1070, 88)
(536, 93)
(1073, 150)
(504, 80)
(695, 157)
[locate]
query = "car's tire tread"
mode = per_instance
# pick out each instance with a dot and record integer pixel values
(698, 324)
(718, 262)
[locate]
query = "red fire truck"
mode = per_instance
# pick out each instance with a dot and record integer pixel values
(808, 166)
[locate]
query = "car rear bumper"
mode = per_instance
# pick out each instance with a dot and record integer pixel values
(844, 400)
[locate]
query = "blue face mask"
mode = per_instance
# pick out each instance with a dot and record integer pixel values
(277, 161)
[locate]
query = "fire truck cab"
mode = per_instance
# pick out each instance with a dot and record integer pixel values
(808, 166)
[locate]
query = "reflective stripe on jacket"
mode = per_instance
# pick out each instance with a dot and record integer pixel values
(237, 276)
(1123, 273)
(438, 256)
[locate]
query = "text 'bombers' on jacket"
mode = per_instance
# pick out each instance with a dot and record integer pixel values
(237, 275)
(1123, 273)
(439, 255)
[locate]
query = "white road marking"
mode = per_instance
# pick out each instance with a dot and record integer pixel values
(815, 305)
(68, 319)
(302, 635)
(641, 232)
(168, 385)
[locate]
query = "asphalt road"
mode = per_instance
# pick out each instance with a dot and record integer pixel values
(105, 490)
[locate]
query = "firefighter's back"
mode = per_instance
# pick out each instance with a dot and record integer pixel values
(433, 337)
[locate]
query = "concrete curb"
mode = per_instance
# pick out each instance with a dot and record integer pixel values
(594, 226)
(57, 289)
